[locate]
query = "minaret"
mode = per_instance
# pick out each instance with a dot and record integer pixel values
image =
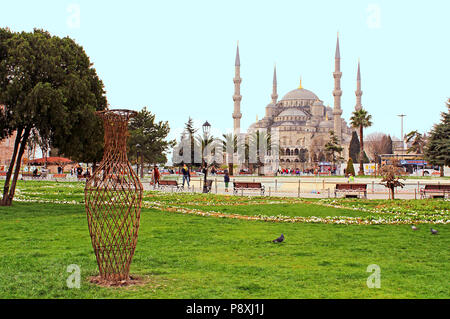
(337, 93)
(237, 94)
(274, 87)
(358, 91)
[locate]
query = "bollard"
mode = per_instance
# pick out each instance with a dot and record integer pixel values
(373, 187)
(415, 193)
(299, 188)
(276, 182)
(215, 182)
(328, 192)
(323, 184)
(269, 191)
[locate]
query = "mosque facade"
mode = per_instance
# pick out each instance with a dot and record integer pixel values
(301, 121)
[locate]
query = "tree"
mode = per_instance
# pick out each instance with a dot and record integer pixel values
(361, 119)
(228, 140)
(350, 170)
(48, 84)
(417, 141)
(332, 147)
(303, 156)
(261, 140)
(390, 176)
(354, 147)
(151, 138)
(378, 143)
(437, 150)
(387, 145)
(190, 130)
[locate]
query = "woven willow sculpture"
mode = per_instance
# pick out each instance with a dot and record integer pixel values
(113, 198)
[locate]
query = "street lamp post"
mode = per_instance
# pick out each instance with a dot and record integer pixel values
(402, 137)
(138, 153)
(206, 129)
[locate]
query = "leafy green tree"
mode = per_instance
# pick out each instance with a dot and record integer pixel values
(350, 170)
(48, 84)
(354, 147)
(417, 142)
(333, 148)
(190, 131)
(149, 139)
(361, 119)
(387, 145)
(437, 150)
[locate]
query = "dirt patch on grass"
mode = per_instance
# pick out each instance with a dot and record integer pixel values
(132, 281)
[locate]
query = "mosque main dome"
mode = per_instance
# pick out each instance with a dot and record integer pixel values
(300, 94)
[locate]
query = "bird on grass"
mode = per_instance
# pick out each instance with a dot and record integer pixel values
(413, 227)
(279, 239)
(434, 231)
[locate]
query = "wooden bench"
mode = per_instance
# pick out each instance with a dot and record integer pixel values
(168, 184)
(59, 175)
(435, 191)
(241, 186)
(30, 174)
(351, 190)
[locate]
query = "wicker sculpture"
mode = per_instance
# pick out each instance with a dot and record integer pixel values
(113, 198)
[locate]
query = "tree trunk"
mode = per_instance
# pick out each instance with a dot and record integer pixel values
(442, 171)
(393, 192)
(361, 151)
(230, 169)
(11, 167)
(142, 167)
(8, 200)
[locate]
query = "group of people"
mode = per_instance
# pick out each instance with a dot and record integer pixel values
(310, 171)
(186, 172)
(78, 171)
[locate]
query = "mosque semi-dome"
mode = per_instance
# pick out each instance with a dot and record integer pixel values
(292, 112)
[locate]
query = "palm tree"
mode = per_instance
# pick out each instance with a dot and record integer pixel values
(361, 119)
(229, 139)
(255, 139)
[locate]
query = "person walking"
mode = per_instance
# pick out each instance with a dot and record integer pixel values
(156, 175)
(186, 175)
(226, 179)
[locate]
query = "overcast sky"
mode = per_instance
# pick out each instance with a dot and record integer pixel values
(177, 57)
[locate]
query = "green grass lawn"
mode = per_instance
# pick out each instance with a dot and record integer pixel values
(192, 256)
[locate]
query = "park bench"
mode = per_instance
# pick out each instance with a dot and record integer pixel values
(435, 191)
(351, 190)
(30, 174)
(163, 184)
(59, 175)
(241, 186)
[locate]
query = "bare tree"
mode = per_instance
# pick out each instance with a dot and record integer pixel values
(377, 143)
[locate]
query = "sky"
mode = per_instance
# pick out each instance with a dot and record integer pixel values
(177, 57)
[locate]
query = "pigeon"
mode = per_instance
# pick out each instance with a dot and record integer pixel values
(414, 227)
(434, 231)
(279, 239)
